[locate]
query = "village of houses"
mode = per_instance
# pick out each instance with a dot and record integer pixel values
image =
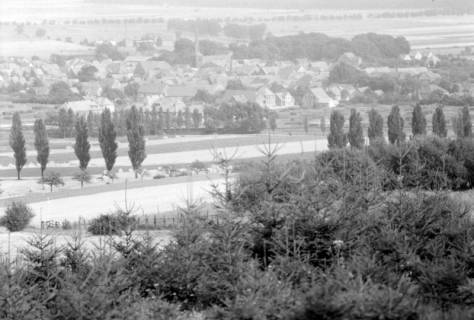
(173, 87)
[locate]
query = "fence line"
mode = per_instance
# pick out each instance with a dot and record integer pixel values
(148, 222)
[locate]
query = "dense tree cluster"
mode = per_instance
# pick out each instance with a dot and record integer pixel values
(184, 53)
(317, 46)
(236, 117)
(201, 26)
(252, 32)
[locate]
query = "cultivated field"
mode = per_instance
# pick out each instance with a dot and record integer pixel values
(436, 32)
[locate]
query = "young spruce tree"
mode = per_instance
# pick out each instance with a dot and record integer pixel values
(439, 123)
(82, 145)
(107, 136)
(375, 130)
(136, 139)
(418, 122)
(395, 126)
(336, 138)
(41, 144)
(356, 135)
(17, 143)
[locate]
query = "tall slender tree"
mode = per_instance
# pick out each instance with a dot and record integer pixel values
(63, 121)
(17, 143)
(187, 118)
(395, 126)
(466, 122)
(167, 119)
(154, 121)
(161, 121)
(179, 119)
(197, 118)
(439, 123)
(41, 144)
(418, 122)
(336, 138)
(462, 124)
(90, 123)
(136, 139)
(356, 135)
(82, 145)
(107, 136)
(375, 130)
(306, 124)
(70, 120)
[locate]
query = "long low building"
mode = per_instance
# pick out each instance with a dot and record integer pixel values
(97, 105)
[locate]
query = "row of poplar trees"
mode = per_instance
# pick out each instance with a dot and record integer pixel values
(337, 138)
(107, 140)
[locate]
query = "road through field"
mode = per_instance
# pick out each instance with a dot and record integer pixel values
(186, 157)
(147, 200)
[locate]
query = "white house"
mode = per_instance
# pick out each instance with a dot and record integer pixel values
(266, 98)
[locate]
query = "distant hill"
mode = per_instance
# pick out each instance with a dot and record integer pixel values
(311, 4)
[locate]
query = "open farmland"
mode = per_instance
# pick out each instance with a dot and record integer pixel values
(56, 17)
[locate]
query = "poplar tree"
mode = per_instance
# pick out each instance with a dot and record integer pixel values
(375, 130)
(306, 124)
(336, 138)
(439, 123)
(167, 119)
(63, 121)
(418, 122)
(161, 121)
(462, 124)
(70, 120)
(154, 121)
(82, 145)
(395, 126)
(17, 143)
(107, 136)
(136, 139)
(41, 144)
(466, 122)
(356, 135)
(197, 118)
(179, 119)
(187, 118)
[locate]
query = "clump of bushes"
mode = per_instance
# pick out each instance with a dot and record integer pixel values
(111, 224)
(17, 216)
(429, 163)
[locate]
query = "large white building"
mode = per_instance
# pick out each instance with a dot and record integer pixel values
(83, 107)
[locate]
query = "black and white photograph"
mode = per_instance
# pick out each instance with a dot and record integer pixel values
(236, 159)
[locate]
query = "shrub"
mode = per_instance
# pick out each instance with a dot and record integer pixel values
(463, 151)
(350, 166)
(52, 179)
(83, 177)
(202, 267)
(427, 238)
(111, 224)
(17, 217)
(429, 162)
